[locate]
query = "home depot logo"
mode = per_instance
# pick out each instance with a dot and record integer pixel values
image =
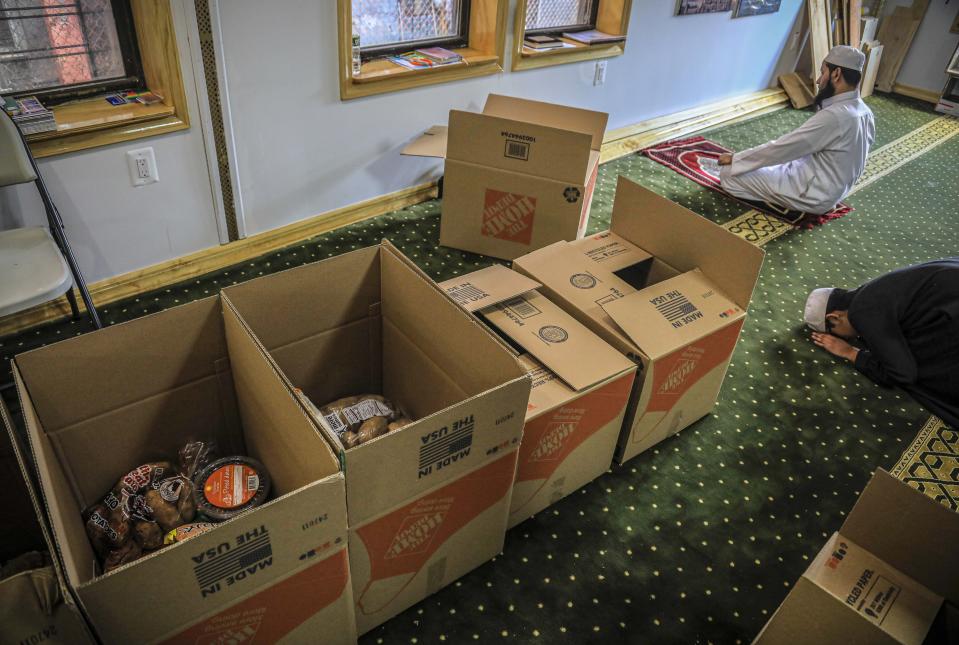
(238, 628)
(685, 366)
(558, 431)
(552, 442)
(419, 528)
(508, 216)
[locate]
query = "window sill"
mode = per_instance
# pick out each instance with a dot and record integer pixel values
(89, 124)
(532, 59)
(381, 76)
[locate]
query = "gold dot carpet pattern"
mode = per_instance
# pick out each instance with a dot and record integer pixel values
(699, 539)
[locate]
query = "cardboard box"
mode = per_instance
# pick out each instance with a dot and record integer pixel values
(581, 386)
(98, 405)
(520, 175)
(34, 606)
(665, 287)
(881, 578)
(429, 502)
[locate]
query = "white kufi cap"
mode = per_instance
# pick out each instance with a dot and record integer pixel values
(815, 315)
(846, 56)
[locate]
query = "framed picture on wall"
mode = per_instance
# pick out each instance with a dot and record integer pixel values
(755, 7)
(689, 7)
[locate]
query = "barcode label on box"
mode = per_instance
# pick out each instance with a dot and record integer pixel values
(517, 150)
(676, 308)
(520, 307)
(364, 410)
(466, 293)
(541, 376)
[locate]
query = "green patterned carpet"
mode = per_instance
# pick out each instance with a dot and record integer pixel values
(700, 539)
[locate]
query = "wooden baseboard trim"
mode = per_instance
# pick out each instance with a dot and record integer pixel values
(618, 143)
(625, 141)
(916, 93)
(189, 266)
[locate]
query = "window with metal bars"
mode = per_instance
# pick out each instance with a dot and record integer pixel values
(557, 16)
(394, 26)
(65, 49)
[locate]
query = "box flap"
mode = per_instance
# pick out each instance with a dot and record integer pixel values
(611, 251)
(573, 278)
(25, 461)
(517, 146)
(431, 143)
(487, 287)
(910, 531)
(117, 369)
(685, 240)
(557, 339)
(874, 589)
(551, 114)
(673, 313)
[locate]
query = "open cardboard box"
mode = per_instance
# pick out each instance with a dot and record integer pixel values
(429, 502)
(520, 175)
(98, 405)
(581, 386)
(665, 287)
(882, 578)
(35, 606)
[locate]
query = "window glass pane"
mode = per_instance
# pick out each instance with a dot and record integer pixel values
(55, 43)
(547, 14)
(387, 22)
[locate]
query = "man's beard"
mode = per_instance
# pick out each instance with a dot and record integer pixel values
(826, 92)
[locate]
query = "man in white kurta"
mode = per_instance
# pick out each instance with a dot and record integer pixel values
(814, 167)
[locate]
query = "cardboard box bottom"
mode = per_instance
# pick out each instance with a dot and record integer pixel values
(417, 549)
(567, 448)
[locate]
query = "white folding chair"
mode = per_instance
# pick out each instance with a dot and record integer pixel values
(36, 263)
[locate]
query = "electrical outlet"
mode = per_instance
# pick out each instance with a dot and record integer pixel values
(599, 76)
(143, 166)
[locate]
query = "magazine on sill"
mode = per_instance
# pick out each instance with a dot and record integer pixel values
(593, 37)
(414, 60)
(528, 49)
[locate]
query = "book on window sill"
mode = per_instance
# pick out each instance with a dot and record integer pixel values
(542, 42)
(593, 37)
(413, 60)
(30, 115)
(439, 54)
(535, 50)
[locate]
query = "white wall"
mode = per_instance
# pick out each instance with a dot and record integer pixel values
(932, 48)
(301, 151)
(112, 226)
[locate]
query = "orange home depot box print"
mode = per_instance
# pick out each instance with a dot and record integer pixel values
(548, 440)
(508, 216)
(271, 614)
(400, 543)
(676, 373)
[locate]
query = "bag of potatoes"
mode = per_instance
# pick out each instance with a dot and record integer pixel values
(133, 517)
(358, 419)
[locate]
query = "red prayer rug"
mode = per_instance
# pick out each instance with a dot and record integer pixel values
(695, 158)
